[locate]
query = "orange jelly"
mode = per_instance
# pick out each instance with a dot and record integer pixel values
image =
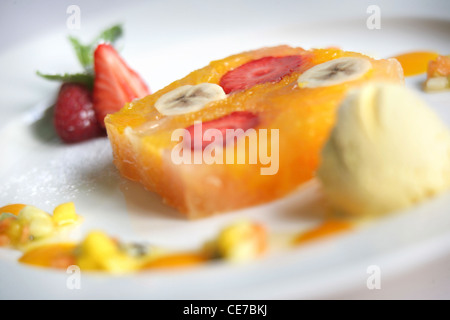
(141, 137)
(415, 63)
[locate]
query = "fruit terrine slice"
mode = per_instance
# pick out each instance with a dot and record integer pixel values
(241, 131)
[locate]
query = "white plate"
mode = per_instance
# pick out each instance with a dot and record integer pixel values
(36, 169)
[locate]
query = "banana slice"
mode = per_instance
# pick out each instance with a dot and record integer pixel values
(189, 98)
(334, 72)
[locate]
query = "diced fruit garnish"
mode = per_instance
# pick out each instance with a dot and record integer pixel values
(29, 213)
(74, 116)
(115, 83)
(6, 215)
(437, 84)
(267, 69)
(65, 214)
(240, 241)
(438, 74)
(236, 120)
(100, 252)
(31, 224)
(12, 208)
(39, 222)
(5, 227)
(15, 230)
(439, 67)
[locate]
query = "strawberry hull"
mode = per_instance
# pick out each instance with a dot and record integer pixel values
(292, 125)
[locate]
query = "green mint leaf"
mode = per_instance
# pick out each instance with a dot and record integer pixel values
(109, 35)
(83, 78)
(83, 52)
(85, 55)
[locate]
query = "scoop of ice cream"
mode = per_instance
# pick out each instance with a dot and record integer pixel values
(387, 151)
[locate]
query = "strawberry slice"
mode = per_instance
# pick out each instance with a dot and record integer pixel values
(236, 120)
(267, 69)
(115, 83)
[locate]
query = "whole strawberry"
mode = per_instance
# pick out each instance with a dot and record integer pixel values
(74, 116)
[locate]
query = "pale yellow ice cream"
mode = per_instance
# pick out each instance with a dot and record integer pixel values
(387, 151)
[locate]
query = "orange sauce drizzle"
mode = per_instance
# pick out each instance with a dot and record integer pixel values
(415, 63)
(58, 255)
(325, 229)
(177, 261)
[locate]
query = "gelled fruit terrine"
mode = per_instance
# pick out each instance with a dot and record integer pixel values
(280, 102)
